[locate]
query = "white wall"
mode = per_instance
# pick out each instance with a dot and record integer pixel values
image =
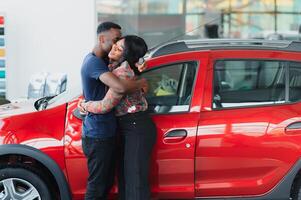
(46, 36)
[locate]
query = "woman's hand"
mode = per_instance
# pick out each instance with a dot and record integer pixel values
(81, 105)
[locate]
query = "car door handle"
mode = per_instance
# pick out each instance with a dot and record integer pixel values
(175, 136)
(293, 129)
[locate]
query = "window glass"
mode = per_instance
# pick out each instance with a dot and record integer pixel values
(170, 87)
(248, 83)
(289, 5)
(194, 26)
(295, 82)
(252, 5)
(248, 25)
(161, 7)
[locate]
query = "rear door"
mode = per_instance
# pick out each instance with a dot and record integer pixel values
(174, 99)
(243, 145)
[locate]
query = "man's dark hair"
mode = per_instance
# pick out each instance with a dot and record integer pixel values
(105, 26)
(134, 48)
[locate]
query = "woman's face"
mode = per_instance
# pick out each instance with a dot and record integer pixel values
(117, 50)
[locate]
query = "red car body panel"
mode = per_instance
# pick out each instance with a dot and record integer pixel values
(75, 159)
(237, 152)
(43, 130)
(244, 151)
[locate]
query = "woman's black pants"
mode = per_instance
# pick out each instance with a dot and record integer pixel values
(138, 136)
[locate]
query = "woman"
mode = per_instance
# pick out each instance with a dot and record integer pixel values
(138, 132)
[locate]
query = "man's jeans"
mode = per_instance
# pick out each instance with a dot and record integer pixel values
(100, 155)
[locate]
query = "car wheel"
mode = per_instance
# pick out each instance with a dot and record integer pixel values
(296, 190)
(21, 183)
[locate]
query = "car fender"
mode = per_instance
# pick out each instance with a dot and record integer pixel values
(49, 163)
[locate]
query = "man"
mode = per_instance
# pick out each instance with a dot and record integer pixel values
(98, 140)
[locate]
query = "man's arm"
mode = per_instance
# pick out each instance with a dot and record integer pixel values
(122, 86)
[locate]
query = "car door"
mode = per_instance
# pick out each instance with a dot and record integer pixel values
(243, 145)
(175, 87)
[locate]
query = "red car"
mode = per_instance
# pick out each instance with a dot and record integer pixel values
(228, 116)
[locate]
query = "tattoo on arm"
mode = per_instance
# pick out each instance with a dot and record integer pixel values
(111, 98)
(105, 105)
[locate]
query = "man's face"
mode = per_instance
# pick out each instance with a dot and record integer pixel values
(110, 37)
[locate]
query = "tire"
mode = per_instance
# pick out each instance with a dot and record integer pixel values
(19, 183)
(296, 190)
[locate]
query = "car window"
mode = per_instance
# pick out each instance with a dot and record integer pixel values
(295, 82)
(248, 83)
(170, 87)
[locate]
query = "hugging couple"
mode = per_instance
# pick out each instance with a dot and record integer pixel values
(114, 102)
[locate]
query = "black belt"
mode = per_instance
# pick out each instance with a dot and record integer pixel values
(132, 116)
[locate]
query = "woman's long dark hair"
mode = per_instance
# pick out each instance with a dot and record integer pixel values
(134, 49)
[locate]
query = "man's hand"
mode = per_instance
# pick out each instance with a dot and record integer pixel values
(81, 107)
(143, 85)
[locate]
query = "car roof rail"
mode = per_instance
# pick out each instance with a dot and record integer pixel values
(207, 44)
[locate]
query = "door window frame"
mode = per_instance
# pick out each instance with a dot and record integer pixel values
(194, 62)
(287, 69)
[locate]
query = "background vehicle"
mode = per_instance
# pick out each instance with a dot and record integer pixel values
(228, 117)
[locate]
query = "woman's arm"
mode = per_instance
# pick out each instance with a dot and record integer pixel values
(105, 105)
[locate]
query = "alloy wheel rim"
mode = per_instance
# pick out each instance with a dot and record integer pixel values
(18, 189)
